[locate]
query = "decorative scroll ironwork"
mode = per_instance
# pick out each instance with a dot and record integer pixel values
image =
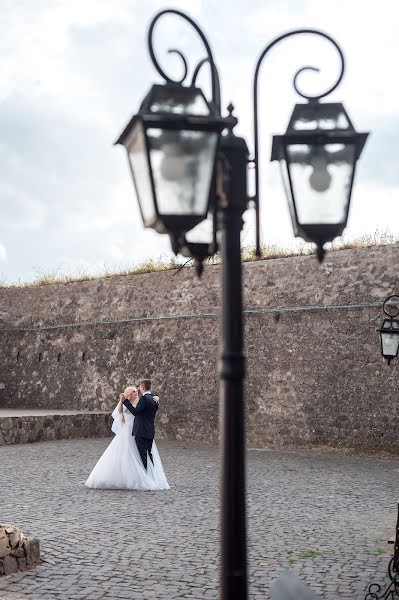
(298, 91)
(209, 56)
(391, 306)
(376, 592)
(391, 591)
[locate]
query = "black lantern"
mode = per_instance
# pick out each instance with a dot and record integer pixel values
(318, 155)
(389, 330)
(172, 144)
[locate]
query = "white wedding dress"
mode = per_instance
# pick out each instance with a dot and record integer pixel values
(120, 466)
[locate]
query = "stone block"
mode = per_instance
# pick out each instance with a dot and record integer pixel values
(10, 565)
(15, 536)
(22, 564)
(50, 434)
(32, 550)
(31, 437)
(17, 552)
(4, 547)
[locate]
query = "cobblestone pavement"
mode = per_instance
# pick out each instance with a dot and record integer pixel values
(326, 516)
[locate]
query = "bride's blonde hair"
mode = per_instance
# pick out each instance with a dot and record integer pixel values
(129, 390)
(126, 393)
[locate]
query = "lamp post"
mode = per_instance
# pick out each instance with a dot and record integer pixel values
(389, 330)
(186, 172)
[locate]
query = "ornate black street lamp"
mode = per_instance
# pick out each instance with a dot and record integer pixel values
(389, 330)
(318, 155)
(191, 179)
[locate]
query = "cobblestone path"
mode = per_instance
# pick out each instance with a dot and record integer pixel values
(326, 516)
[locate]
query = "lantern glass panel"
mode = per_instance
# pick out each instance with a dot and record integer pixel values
(179, 101)
(321, 178)
(138, 159)
(182, 164)
(203, 233)
(325, 117)
(390, 339)
(286, 185)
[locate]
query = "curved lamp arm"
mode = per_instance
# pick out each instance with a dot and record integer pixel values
(255, 105)
(217, 99)
(209, 57)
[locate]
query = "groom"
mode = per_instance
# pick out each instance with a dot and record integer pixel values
(143, 426)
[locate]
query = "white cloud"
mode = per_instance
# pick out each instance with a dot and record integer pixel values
(116, 252)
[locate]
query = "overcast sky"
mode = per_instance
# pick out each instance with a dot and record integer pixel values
(72, 72)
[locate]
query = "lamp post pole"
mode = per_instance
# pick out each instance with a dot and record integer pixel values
(232, 196)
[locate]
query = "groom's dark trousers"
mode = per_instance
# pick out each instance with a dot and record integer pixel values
(144, 424)
(144, 445)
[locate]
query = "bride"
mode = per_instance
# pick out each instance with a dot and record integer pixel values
(121, 467)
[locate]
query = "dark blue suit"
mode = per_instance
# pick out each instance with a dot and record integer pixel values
(144, 424)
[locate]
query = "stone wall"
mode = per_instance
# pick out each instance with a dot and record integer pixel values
(34, 428)
(315, 373)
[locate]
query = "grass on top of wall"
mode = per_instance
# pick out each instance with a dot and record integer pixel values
(166, 264)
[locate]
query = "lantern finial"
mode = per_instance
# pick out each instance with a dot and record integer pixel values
(320, 253)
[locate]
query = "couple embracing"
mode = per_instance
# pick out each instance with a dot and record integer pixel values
(132, 461)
